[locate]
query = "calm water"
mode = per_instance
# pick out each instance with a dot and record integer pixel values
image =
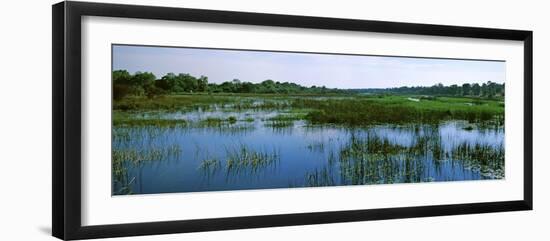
(255, 153)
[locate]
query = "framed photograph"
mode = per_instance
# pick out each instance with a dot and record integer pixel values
(169, 120)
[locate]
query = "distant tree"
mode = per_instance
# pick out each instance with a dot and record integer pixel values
(143, 79)
(187, 83)
(152, 91)
(227, 87)
(202, 84)
(121, 77)
(168, 82)
(120, 91)
(247, 87)
(126, 84)
(454, 90)
(466, 88)
(476, 89)
(489, 89)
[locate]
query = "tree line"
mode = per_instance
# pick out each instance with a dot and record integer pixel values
(147, 84)
(487, 90)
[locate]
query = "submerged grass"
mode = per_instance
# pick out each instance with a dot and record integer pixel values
(125, 160)
(245, 158)
(372, 159)
(487, 159)
(210, 166)
(318, 146)
(320, 178)
(279, 124)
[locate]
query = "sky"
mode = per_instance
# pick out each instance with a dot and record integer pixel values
(332, 71)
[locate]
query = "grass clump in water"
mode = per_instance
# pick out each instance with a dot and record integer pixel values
(279, 124)
(125, 160)
(320, 178)
(217, 122)
(245, 158)
(232, 119)
(489, 160)
(316, 146)
(210, 166)
(132, 122)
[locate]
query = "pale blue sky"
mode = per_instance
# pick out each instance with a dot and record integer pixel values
(333, 71)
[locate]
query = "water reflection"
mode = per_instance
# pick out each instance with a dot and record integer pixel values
(255, 151)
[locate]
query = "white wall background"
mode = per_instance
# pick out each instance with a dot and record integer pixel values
(25, 122)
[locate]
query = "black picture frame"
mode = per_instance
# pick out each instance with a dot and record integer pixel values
(66, 128)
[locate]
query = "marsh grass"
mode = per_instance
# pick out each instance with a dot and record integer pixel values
(150, 122)
(287, 117)
(397, 110)
(371, 159)
(210, 166)
(320, 178)
(352, 110)
(173, 102)
(487, 159)
(277, 124)
(244, 158)
(318, 146)
(125, 161)
(216, 121)
(361, 159)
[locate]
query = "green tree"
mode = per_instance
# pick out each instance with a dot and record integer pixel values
(202, 84)
(466, 88)
(143, 79)
(476, 89)
(121, 77)
(167, 82)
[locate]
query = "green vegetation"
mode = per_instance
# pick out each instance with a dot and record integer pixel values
(146, 84)
(374, 136)
(372, 159)
(149, 122)
(216, 122)
(320, 178)
(124, 160)
(210, 166)
(245, 158)
(399, 110)
(350, 111)
(276, 124)
(487, 159)
(487, 90)
(317, 146)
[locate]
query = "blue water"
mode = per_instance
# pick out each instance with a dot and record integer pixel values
(305, 155)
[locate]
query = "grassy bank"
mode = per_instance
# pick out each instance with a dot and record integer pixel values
(331, 109)
(401, 109)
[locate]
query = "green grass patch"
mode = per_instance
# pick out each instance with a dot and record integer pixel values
(131, 122)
